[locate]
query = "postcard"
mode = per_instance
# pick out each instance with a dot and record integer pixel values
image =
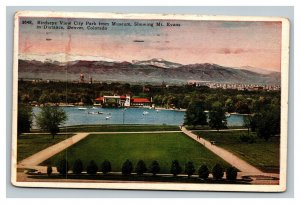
(150, 101)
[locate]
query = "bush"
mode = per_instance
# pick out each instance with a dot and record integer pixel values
(189, 169)
(25, 117)
(154, 168)
(92, 168)
(127, 167)
(247, 139)
(203, 172)
(175, 168)
(49, 170)
(63, 167)
(218, 172)
(140, 167)
(231, 173)
(77, 167)
(105, 167)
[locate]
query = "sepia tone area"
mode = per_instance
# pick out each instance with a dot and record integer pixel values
(149, 101)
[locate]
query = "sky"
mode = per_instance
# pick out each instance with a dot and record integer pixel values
(233, 44)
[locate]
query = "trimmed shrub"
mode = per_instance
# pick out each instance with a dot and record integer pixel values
(140, 167)
(218, 172)
(203, 172)
(247, 139)
(77, 167)
(190, 169)
(175, 168)
(63, 167)
(92, 168)
(105, 167)
(154, 168)
(49, 170)
(231, 173)
(127, 167)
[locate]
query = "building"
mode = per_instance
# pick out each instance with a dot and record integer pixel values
(121, 101)
(140, 102)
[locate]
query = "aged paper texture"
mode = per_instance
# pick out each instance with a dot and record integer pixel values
(150, 101)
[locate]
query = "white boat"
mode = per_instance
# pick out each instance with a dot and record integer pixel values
(82, 108)
(227, 114)
(145, 113)
(94, 107)
(108, 117)
(95, 113)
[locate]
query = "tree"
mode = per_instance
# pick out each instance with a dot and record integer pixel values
(247, 122)
(127, 167)
(50, 118)
(190, 169)
(63, 167)
(140, 167)
(154, 168)
(231, 173)
(92, 168)
(195, 114)
(105, 167)
(175, 168)
(203, 172)
(49, 170)
(77, 167)
(217, 118)
(218, 172)
(268, 123)
(24, 119)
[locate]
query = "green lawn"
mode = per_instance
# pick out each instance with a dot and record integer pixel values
(118, 147)
(119, 128)
(30, 144)
(262, 154)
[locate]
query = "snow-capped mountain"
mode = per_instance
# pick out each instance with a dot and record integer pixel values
(62, 58)
(157, 62)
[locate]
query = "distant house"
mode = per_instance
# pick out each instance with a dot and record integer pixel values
(121, 101)
(140, 102)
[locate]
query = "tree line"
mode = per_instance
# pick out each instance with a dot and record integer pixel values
(140, 169)
(180, 96)
(265, 121)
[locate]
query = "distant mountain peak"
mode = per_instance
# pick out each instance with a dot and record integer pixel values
(63, 58)
(256, 69)
(158, 62)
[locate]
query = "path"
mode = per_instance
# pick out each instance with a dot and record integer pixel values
(230, 158)
(118, 132)
(33, 161)
(223, 130)
(45, 154)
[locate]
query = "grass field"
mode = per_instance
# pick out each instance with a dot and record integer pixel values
(119, 128)
(118, 147)
(30, 144)
(262, 154)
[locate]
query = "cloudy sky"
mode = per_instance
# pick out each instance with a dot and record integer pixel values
(235, 44)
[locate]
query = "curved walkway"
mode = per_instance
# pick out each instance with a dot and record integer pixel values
(230, 158)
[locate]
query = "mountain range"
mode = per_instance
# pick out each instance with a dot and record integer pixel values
(151, 71)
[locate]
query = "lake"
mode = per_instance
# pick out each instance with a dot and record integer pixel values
(98, 115)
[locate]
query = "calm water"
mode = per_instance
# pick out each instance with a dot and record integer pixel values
(90, 116)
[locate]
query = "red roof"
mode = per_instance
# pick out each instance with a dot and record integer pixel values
(122, 97)
(140, 100)
(99, 99)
